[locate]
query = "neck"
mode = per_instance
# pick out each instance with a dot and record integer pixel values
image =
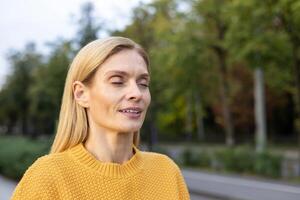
(109, 146)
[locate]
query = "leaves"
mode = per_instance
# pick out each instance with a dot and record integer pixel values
(186, 40)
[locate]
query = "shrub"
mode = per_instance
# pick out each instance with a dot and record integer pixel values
(240, 160)
(204, 159)
(160, 149)
(195, 159)
(243, 160)
(17, 154)
(189, 158)
(268, 165)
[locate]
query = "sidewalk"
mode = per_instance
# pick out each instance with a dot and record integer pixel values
(235, 187)
(6, 188)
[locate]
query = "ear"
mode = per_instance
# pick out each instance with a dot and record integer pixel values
(81, 95)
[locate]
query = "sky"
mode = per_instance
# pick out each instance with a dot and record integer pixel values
(42, 21)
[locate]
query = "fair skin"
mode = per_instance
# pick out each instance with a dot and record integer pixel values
(118, 89)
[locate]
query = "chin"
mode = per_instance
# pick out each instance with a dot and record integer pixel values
(132, 128)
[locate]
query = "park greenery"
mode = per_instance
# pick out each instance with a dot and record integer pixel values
(203, 53)
(18, 155)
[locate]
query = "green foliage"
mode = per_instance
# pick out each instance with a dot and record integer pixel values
(268, 165)
(242, 160)
(183, 39)
(160, 149)
(238, 160)
(17, 154)
(88, 28)
(15, 93)
(189, 158)
(195, 159)
(46, 92)
(258, 40)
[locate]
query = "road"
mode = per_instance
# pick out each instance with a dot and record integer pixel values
(236, 188)
(6, 188)
(201, 197)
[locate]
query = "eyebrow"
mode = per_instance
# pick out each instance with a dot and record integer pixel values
(144, 75)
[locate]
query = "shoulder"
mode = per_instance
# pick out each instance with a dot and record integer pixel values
(46, 168)
(156, 156)
(42, 175)
(160, 161)
(48, 162)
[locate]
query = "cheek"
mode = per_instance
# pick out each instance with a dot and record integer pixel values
(102, 103)
(147, 98)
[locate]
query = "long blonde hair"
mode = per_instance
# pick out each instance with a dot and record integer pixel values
(73, 123)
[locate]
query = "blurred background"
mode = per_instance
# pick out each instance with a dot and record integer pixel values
(225, 83)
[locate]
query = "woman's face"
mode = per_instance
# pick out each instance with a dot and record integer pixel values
(119, 95)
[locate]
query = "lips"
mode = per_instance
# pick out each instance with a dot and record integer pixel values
(132, 112)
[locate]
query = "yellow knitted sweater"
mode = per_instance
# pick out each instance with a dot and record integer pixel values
(76, 174)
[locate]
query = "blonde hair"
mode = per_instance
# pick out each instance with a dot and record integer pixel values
(73, 123)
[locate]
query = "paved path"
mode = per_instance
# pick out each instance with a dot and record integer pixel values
(228, 187)
(6, 188)
(200, 197)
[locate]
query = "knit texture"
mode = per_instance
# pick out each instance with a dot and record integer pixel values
(77, 174)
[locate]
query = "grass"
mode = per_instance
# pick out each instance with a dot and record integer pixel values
(18, 153)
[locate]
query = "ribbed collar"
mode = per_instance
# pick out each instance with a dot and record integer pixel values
(114, 170)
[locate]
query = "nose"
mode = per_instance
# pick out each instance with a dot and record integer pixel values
(134, 92)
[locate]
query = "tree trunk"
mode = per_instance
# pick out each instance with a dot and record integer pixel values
(224, 89)
(296, 65)
(24, 124)
(260, 116)
(199, 117)
(189, 119)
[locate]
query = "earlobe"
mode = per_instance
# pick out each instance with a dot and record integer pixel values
(80, 94)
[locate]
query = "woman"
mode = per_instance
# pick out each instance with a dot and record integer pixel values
(95, 154)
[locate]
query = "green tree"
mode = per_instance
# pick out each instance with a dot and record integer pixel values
(213, 17)
(47, 90)
(88, 27)
(287, 16)
(16, 89)
(254, 38)
(150, 25)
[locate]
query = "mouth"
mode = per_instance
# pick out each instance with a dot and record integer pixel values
(132, 113)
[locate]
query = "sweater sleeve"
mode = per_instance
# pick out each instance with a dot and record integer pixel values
(183, 190)
(182, 187)
(36, 184)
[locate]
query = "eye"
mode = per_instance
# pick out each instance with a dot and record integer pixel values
(144, 85)
(117, 80)
(117, 83)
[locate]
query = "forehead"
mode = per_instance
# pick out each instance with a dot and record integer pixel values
(129, 61)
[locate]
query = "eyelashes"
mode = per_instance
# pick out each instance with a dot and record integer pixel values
(121, 83)
(144, 85)
(119, 80)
